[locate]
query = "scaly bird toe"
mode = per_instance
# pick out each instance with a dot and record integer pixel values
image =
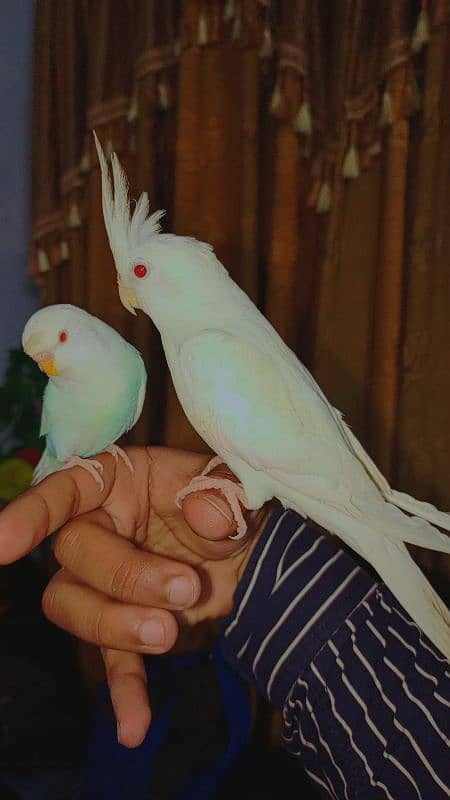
(95, 468)
(233, 493)
(117, 453)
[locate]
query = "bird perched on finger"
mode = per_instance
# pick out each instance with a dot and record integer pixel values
(257, 406)
(95, 392)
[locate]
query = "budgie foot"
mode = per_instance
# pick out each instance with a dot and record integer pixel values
(95, 468)
(117, 452)
(232, 492)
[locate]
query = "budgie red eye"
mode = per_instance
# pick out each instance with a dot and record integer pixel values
(140, 271)
(63, 336)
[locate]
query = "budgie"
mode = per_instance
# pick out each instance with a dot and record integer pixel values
(258, 407)
(96, 388)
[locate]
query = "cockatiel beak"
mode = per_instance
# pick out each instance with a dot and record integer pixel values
(128, 297)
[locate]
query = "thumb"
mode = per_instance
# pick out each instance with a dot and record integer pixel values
(209, 515)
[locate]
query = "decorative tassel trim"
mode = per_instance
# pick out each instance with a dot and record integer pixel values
(133, 109)
(202, 30)
(163, 95)
(350, 167)
(85, 163)
(313, 197)
(323, 204)
(229, 10)
(421, 35)
(303, 120)
(266, 49)
(74, 220)
(109, 148)
(43, 263)
(64, 251)
(387, 112)
(237, 27)
(275, 100)
(413, 98)
(374, 149)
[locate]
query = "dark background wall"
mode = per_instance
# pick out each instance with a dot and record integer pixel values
(17, 295)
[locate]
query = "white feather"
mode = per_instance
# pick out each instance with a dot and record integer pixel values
(258, 407)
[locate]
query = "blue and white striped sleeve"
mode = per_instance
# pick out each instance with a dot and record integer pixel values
(365, 696)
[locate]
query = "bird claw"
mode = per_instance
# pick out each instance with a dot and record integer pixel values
(232, 492)
(212, 464)
(95, 468)
(117, 453)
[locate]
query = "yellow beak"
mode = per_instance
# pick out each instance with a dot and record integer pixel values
(128, 297)
(48, 366)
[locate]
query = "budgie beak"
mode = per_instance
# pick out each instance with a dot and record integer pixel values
(128, 297)
(46, 363)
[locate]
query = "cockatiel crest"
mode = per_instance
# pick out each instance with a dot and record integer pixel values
(132, 234)
(127, 233)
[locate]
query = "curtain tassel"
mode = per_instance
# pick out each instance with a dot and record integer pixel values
(374, 149)
(163, 95)
(237, 28)
(64, 251)
(421, 35)
(323, 204)
(386, 112)
(74, 220)
(43, 263)
(350, 167)
(303, 121)
(85, 163)
(275, 100)
(229, 10)
(202, 30)
(133, 109)
(266, 49)
(109, 148)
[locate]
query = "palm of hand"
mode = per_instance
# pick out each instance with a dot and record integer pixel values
(141, 507)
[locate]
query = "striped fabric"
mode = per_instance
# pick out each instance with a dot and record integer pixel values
(365, 697)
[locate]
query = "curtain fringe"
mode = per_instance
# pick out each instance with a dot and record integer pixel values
(303, 121)
(421, 35)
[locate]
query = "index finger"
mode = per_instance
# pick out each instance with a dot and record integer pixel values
(44, 508)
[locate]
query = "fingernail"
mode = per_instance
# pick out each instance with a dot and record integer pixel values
(215, 504)
(152, 632)
(181, 592)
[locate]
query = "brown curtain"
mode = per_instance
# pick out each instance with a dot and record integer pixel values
(310, 143)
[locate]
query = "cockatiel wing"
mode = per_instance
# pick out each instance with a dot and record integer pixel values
(252, 408)
(241, 403)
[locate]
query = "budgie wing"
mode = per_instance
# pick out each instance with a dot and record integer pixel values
(140, 395)
(45, 427)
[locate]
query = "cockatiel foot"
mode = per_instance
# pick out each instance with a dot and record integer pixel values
(215, 462)
(232, 492)
(117, 453)
(95, 468)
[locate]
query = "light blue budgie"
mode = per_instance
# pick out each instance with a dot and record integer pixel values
(95, 392)
(260, 409)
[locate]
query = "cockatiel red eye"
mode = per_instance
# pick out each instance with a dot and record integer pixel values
(140, 271)
(63, 336)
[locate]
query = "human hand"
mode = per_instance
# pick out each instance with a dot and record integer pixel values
(133, 564)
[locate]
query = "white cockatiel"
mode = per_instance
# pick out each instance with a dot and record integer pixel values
(95, 392)
(259, 408)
